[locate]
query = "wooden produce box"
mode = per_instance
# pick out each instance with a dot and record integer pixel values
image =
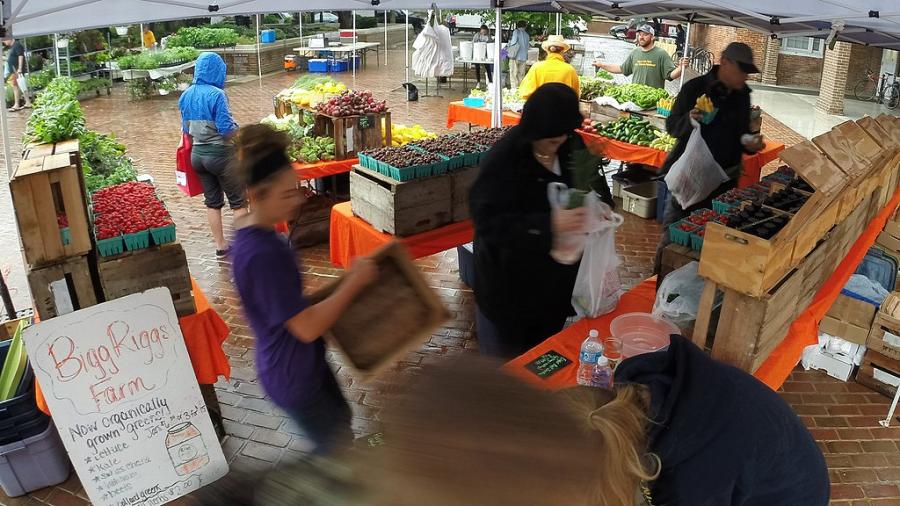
(46, 184)
(64, 287)
(461, 182)
(139, 271)
(749, 328)
(400, 208)
(353, 134)
(765, 262)
(880, 373)
(312, 225)
(392, 316)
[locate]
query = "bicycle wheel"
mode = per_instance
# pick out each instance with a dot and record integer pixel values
(864, 90)
(707, 61)
(892, 96)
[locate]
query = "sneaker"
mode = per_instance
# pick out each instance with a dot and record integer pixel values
(221, 253)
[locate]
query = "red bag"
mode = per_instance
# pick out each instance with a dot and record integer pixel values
(185, 177)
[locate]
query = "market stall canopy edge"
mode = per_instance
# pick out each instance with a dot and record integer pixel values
(39, 17)
(869, 22)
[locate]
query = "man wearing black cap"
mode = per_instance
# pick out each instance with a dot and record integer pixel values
(732, 132)
(649, 64)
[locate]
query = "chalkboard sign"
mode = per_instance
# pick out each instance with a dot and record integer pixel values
(547, 364)
(124, 397)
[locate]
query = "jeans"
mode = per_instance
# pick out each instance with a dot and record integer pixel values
(516, 72)
(326, 418)
(488, 71)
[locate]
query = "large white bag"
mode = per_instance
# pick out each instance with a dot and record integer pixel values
(597, 286)
(678, 298)
(696, 174)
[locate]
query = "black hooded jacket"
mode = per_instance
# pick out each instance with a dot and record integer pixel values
(724, 438)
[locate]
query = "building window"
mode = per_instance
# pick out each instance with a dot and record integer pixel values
(802, 46)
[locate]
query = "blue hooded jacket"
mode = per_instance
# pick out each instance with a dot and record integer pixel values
(204, 107)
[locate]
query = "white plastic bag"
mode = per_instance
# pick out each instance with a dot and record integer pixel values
(696, 174)
(627, 106)
(678, 298)
(597, 286)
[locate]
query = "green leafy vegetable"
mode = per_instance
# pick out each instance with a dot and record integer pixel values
(57, 114)
(642, 95)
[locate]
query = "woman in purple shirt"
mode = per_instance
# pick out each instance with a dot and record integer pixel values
(290, 355)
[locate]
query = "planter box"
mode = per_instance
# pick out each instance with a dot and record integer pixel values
(400, 208)
(48, 182)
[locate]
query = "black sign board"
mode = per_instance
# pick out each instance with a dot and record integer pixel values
(547, 364)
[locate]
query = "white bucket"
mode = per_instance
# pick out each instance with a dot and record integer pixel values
(465, 50)
(479, 52)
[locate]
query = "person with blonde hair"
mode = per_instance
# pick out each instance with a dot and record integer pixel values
(554, 69)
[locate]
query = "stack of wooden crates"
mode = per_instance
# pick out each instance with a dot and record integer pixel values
(65, 273)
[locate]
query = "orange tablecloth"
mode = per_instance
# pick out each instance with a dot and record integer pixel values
(618, 150)
(352, 237)
(773, 372)
(323, 169)
(457, 111)
(204, 333)
(568, 342)
(754, 163)
(805, 329)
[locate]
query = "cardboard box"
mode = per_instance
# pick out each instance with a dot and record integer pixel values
(890, 237)
(884, 337)
(836, 365)
(850, 319)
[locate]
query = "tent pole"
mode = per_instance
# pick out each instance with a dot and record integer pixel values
(558, 23)
(258, 57)
(4, 124)
(406, 14)
(687, 45)
(301, 29)
(385, 38)
(353, 53)
(56, 51)
(497, 108)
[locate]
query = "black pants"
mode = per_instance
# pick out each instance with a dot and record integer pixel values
(326, 419)
(488, 71)
(509, 339)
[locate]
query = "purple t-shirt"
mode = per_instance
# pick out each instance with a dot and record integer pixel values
(271, 290)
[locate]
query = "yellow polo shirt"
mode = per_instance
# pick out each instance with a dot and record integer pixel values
(552, 70)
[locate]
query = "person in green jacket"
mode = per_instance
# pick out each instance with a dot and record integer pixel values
(647, 64)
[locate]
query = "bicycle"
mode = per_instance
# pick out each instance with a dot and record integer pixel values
(701, 59)
(875, 87)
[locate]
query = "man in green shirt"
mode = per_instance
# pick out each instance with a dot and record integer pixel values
(647, 64)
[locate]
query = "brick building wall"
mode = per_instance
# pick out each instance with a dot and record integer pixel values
(862, 58)
(803, 71)
(716, 38)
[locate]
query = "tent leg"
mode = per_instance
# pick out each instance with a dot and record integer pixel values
(258, 57)
(497, 108)
(353, 53)
(4, 124)
(385, 39)
(558, 23)
(687, 44)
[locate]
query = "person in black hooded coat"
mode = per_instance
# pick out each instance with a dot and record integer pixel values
(524, 295)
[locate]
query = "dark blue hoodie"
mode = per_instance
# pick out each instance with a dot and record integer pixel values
(724, 437)
(204, 107)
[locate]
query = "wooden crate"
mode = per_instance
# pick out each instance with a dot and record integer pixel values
(749, 328)
(353, 134)
(461, 182)
(139, 271)
(64, 287)
(400, 208)
(886, 320)
(765, 262)
(873, 362)
(42, 187)
(390, 317)
(312, 225)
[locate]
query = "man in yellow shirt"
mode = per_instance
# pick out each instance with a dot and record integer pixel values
(554, 69)
(149, 38)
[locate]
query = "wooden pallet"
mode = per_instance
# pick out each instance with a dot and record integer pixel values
(392, 316)
(873, 361)
(42, 186)
(749, 328)
(64, 287)
(139, 271)
(353, 134)
(461, 182)
(400, 208)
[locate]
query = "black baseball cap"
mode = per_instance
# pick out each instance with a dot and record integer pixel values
(741, 54)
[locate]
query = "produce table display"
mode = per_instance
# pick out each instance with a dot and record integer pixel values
(618, 150)
(306, 171)
(352, 237)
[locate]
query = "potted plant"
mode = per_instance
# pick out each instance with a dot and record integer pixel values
(166, 85)
(183, 81)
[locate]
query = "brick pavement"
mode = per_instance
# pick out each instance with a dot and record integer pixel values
(864, 458)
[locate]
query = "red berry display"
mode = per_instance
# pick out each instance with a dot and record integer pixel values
(352, 103)
(128, 208)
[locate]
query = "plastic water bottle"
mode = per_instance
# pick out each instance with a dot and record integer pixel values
(603, 374)
(591, 351)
